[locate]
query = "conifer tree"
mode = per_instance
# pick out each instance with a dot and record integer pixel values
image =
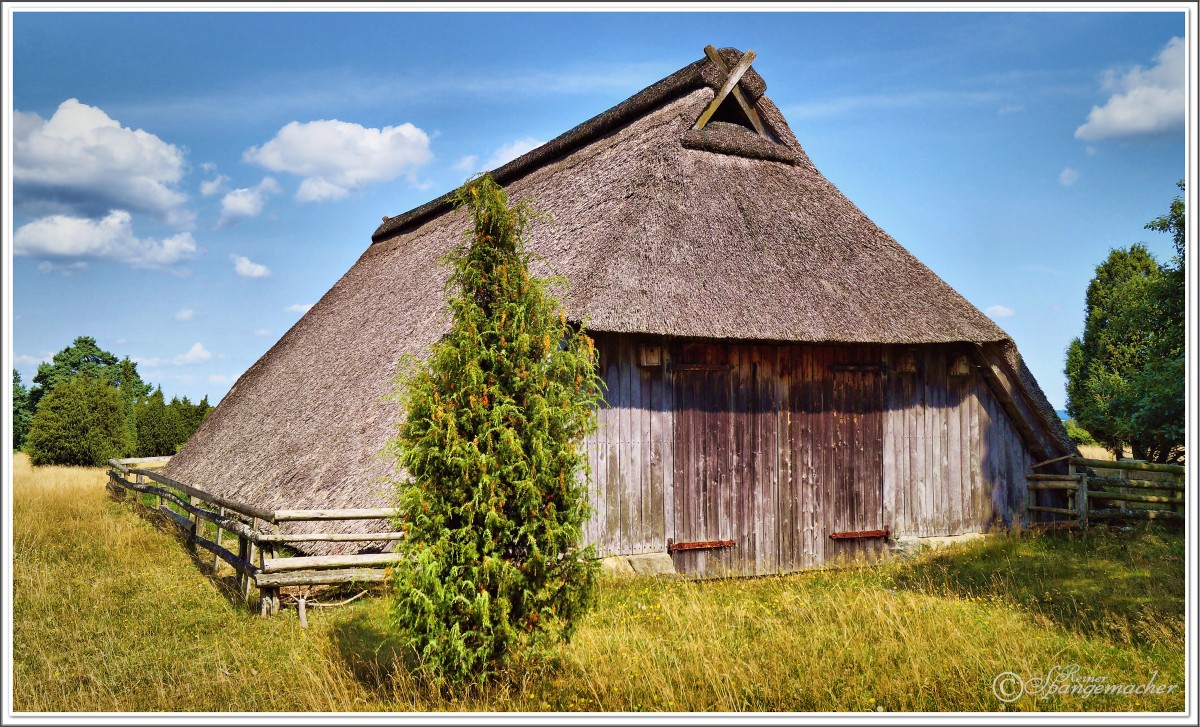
(491, 449)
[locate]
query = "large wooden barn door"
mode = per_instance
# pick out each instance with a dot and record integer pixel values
(704, 487)
(854, 515)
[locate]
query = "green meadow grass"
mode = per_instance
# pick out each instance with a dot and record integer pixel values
(112, 613)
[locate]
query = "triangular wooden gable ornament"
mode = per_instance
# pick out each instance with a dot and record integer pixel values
(730, 86)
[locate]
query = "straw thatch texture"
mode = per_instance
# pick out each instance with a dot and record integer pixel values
(658, 229)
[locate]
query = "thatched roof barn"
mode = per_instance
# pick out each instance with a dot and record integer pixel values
(731, 289)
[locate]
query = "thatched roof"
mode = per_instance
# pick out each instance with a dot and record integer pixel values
(659, 229)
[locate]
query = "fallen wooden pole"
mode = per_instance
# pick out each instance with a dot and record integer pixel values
(1056, 510)
(320, 577)
(375, 513)
(328, 537)
(279, 565)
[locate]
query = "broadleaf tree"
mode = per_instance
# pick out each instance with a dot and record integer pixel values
(490, 448)
(1125, 375)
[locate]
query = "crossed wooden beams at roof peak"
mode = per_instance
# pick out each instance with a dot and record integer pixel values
(730, 86)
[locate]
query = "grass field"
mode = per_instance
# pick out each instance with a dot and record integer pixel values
(111, 613)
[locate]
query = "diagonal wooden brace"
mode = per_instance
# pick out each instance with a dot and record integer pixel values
(740, 97)
(730, 83)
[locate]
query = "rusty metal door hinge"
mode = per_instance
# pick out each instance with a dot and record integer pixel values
(850, 534)
(672, 546)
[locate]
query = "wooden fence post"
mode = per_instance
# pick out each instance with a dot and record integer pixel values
(273, 551)
(1081, 501)
(243, 577)
(217, 557)
(195, 525)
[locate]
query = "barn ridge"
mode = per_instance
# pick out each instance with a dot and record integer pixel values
(695, 226)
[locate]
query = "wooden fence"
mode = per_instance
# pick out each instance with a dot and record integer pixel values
(206, 520)
(1102, 490)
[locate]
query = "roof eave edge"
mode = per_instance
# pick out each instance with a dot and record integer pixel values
(677, 84)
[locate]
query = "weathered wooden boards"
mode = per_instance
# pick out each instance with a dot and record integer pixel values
(1125, 490)
(189, 508)
(776, 447)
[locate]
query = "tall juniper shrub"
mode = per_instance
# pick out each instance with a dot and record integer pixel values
(491, 449)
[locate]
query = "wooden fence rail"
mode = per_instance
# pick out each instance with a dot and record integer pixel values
(257, 531)
(1158, 492)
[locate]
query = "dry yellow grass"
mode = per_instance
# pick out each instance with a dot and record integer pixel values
(1095, 451)
(111, 614)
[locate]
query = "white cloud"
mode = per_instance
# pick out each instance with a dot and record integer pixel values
(28, 360)
(262, 332)
(511, 150)
(222, 379)
(84, 162)
(185, 314)
(64, 269)
(111, 238)
(1068, 176)
(196, 354)
(1144, 102)
(467, 163)
(298, 308)
(242, 203)
(336, 157)
(244, 267)
(209, 187)
(999, 311)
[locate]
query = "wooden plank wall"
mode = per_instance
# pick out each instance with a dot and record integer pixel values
(770, 473)
(631, 455)
(953, 461)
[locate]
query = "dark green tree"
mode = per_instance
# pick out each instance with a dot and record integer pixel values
(493, 490)
(1125, 375)
(22, 413)
(81, 357)
(81, 422)
(191, 416)
(160, 427)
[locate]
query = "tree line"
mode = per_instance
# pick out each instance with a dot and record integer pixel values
(86, 406)
(1125, 374)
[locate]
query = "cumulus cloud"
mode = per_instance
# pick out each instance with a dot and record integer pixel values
(1145, 101)
(244, 267)
(999, 311)
(185, 314)
(467, 163)
(83, 162)
(111, 238)
(221, 379)
(336, 158)
(1068, 176)
(216, 185)
(298, 308)
(262, 332)
(194, 355)
(242, 203)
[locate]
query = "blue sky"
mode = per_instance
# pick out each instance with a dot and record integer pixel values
(185, 183)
